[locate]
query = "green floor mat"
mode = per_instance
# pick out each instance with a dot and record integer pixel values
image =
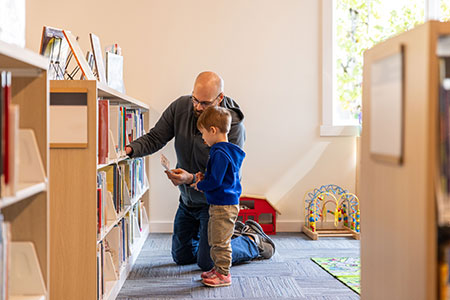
(345, 269)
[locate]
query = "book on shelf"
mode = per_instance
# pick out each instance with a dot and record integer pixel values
(6, 103)
(103, 131)
(126, 125)
(9, 138)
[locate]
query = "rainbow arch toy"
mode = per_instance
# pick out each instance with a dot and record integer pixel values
(344, 209)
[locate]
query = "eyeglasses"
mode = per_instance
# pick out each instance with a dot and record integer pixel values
(204, 104)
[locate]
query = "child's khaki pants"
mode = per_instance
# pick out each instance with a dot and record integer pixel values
(220, 229)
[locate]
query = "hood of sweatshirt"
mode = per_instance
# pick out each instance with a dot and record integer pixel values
(234, 153)
(237, 116)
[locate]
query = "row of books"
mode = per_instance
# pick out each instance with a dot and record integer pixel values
(114, 251)
(118, 185)
(118, 126)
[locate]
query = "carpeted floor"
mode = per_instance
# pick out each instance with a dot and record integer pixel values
(289, 274)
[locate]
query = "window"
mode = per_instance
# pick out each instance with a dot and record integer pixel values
(349, 28)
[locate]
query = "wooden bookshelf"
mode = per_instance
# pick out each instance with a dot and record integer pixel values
(73, 201)
(398, 201)
(27, 210)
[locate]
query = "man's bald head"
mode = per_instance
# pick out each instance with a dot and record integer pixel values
(208, 90)
(208, 85)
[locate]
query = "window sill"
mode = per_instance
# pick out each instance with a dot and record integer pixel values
(330, 130)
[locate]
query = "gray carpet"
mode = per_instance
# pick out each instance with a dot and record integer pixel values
(289, 274)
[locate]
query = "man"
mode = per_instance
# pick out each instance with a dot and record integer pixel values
(179, 121)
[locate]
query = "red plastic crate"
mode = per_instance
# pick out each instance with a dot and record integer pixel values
(259, 209)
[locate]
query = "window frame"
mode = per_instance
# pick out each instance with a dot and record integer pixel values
(328, 126)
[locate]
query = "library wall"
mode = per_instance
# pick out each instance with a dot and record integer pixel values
(269, 56)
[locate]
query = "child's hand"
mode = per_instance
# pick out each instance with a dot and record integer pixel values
(194, 185)
(200, 176)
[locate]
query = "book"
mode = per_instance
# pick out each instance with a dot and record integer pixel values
(78, 54)
(54, 46)
(6, 84)
(103, 131)
(99, 65)
(114, 117)
(114, 71)
(165, 162)
(2, 127)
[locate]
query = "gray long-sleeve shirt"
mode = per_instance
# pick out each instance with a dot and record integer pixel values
(179, 121)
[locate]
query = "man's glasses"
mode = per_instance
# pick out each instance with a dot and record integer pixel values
(204, 104)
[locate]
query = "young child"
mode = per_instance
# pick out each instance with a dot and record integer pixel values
(222, 187)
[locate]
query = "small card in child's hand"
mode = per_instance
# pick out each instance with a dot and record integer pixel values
(165, 162)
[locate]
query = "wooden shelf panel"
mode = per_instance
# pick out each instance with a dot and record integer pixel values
(25, 191)
(116, 96)
(14, 57)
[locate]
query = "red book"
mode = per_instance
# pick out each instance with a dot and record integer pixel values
(103, 129)
(6, 83)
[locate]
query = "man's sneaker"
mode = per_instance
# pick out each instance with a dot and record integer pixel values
(238, 226)
(208, 274)
(262, 240)
(217, 280)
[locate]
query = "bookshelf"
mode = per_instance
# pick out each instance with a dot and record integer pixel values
(26, 206)
(76, 239)
(399, 244)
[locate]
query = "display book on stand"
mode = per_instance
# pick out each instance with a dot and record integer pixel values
(121, 216)
(22, 178)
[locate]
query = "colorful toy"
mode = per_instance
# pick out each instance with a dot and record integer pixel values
(259, 209)
(344, 208)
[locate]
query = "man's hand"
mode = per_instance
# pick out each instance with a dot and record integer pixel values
(179, 176)
(128, 150)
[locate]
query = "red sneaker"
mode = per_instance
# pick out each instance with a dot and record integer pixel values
(208, 274)
(217, 280)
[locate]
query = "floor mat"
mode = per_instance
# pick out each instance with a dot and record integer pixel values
(345, 269)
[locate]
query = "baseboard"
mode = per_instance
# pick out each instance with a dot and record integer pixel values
(289, 226)
(282, 226)
(161, 226)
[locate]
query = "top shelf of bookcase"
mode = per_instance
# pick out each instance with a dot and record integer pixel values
(15, 58)
(116, 96)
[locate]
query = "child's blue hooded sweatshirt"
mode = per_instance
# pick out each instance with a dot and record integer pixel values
(222, 185)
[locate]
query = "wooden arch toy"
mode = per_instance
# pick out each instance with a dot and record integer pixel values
(344, 208)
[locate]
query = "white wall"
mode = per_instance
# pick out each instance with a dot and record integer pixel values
(268, 53)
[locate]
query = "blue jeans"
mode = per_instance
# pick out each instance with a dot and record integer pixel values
(190, 240)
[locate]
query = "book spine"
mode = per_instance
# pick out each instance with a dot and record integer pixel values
(103, 131)
(7, 102)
